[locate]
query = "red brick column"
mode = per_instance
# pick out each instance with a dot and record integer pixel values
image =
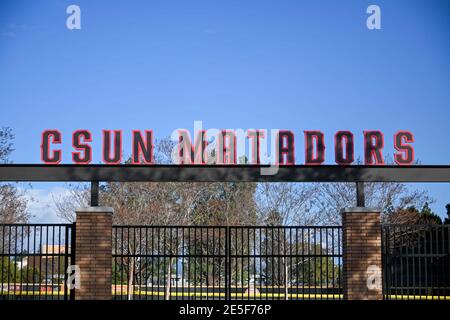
(93, 252)
(361, 241)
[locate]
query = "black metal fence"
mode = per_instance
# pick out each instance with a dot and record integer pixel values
(212, 263)
(416, 261)
(34, 260)
(216, 263)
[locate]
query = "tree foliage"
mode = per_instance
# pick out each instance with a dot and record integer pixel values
(13, 205)
(412, 215)
(447, 220)
(6, 145)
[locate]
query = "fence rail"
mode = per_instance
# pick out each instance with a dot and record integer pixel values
(34, 261)
(209, 263)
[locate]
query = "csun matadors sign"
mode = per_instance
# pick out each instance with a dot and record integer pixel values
(228, 146)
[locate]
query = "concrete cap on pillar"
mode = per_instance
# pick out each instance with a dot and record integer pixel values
(94, 210)
(359, 210)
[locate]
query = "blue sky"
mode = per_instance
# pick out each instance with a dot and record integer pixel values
(298, 65)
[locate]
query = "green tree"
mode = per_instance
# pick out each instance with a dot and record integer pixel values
(7, 269)
(447, 220)
(427, 216)
(28, 275)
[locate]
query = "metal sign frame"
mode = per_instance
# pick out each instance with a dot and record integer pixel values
(222, 173)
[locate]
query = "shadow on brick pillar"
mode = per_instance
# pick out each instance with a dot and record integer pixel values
(93, 252)
(361, 242)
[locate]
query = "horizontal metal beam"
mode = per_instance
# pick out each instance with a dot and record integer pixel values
(215, 173)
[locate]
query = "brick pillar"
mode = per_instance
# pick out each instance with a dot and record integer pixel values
(93, 252)
(361, 241)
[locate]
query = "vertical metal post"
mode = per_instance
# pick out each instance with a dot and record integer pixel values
(94, 193)
(72, 254)
(360, 198)
(66, 261)
(227, 264)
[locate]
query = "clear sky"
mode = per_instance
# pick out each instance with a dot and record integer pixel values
(298, 65)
